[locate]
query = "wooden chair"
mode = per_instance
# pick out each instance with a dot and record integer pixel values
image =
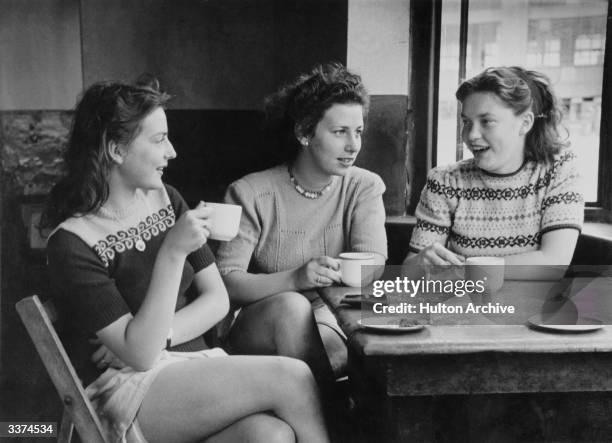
(78, 411)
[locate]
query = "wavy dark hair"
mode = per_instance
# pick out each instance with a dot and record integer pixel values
(107, 112)
(297, 107)
(523, 90)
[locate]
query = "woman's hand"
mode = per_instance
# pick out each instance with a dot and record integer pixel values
(191, 230)
(318, 273)
(437, 255)
(103, 358)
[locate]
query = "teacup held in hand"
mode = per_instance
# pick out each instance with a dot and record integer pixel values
(351, 267)
(225, 221)
(490, 270)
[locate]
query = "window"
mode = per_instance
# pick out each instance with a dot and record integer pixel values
(589, 50)
(565, 39)
(544, 37)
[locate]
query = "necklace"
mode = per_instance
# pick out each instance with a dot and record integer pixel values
(307, 192)
(131, 233)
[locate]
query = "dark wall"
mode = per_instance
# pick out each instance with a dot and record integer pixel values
(384, 148)
(40, 54)
(219, 144)
(308, 32)
(214, 148)
(213, 54)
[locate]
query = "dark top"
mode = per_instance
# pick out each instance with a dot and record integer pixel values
(99, 270)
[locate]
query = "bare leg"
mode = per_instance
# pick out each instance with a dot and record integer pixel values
(282, 324)
(193, 400)
(255, 428)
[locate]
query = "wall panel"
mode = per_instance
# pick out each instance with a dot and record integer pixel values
(214, 54)
(40, 54)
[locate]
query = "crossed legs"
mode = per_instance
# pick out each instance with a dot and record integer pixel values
(281, 324)
(268, 399)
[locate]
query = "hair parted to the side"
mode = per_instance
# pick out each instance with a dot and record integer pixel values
(107, 111)
(298, 106)
(522, 90)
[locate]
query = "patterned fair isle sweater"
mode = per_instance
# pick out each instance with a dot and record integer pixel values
(475, 213)
(99, 270)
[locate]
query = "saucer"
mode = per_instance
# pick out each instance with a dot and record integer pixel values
(391, 327)
(583, 324)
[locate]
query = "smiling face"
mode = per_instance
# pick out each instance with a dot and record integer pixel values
(145, 158)
(337, 139)
(493, 133)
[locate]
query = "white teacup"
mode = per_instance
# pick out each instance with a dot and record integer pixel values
(225, 221)
(490, 270)
(350, 267)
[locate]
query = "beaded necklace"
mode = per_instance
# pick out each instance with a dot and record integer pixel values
(306, 192)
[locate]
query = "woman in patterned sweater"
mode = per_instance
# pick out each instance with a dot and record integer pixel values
(125, 251)
(518, 197)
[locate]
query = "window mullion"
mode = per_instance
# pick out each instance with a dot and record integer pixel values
(463, 39)
(604, 192)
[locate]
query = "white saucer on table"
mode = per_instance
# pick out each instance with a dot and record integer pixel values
(583, 324)
(391, 327)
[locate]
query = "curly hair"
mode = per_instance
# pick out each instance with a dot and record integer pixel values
(107, 111)
(523, 90)
(297, 107)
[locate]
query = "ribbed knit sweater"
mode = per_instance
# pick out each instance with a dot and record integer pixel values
(281, 229)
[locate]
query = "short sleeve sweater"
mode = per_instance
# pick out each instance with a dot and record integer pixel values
(473, 212)
(99, 271)
(281, 229)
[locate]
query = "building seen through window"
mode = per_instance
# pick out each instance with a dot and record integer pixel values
(565, 39)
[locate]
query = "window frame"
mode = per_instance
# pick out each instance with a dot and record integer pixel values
(602, 209)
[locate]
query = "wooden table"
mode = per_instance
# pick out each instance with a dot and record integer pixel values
(397, 379)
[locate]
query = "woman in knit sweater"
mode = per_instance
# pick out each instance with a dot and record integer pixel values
(125, 251)
(518, 197)
(299, 215)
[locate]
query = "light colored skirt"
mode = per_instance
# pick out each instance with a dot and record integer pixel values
(324, 316)
(117, 394)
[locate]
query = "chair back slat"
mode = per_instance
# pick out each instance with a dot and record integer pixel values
(38, 321)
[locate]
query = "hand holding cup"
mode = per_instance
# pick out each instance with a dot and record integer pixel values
(356, 268)
(191, 230)
(318, 272)
(437, 255)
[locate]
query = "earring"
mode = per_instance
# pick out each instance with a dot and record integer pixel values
(305, 142)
